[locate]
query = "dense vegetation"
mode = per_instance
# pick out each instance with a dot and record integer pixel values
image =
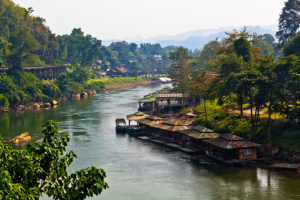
(250, 70)
(42, 169)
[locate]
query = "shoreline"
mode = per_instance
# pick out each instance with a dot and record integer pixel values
(118, 86)
(77, 96)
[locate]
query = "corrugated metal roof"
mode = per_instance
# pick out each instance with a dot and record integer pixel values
(226, 144)
(148, 122)
(202, 129)
(228, 136)
(174, 123)
(135, 118)
(169, 128)
(154, 117)
(146, 100)
(198, 135)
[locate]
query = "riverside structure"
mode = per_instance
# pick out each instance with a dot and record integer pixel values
(138, 169)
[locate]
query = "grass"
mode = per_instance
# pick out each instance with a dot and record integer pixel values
(116, 81)
(210, 106)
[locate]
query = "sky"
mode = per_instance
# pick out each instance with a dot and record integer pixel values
(120, 19)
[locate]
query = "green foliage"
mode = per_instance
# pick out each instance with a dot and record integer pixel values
(288, 21)
(51, 91)
(32, 60)
(181, 68)
(292, 46)
(242, 48)
(74, 87)
(42, 169)
(3, 50)
(114, 62)
(98, 86)
(4, 104)
(136, 65)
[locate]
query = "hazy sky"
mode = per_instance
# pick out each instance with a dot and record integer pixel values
(119, 19)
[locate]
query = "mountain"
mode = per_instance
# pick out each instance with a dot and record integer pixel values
(197, 38)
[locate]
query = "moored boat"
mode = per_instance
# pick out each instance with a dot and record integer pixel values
(120, 125)
(135, 130)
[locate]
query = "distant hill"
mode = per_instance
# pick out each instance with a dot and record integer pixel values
(195, 39)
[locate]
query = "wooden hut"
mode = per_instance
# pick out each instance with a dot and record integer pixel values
(195, 136)
(228, 146)
(170, 130)
(136, 116)
(148, 121)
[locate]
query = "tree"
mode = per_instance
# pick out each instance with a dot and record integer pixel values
(199, 87)
(288, 22)
(136, 65)
(181, 68)
(21, 41)
(132, 47)
(209, 52)
(135, 74)
(292, 46)
(114, 62)
(3, 51)
(227, 44)
(242, 47)
(42, 169)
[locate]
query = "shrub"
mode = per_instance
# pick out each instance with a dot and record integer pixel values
(32, 60)
(74, 87)
(4, 104)
(51, 91)
(98, 86)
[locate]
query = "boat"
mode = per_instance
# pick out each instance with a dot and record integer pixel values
(135, 130)
(120, 125)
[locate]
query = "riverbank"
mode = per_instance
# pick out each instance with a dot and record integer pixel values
(110, 84)
(118, 86)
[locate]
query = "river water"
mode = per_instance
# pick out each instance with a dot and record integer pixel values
(141, 170)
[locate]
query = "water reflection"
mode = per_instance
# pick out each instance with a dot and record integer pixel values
(139, 169)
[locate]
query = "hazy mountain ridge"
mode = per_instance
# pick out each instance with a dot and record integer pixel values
(195, 39)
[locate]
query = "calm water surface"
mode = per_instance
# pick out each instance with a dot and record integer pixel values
(142, 170)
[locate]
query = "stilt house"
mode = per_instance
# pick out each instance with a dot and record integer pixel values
(228, 146)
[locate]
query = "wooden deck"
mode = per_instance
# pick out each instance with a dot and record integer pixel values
(144, 138)
(173, 145)
(187, 150)
(157, 141)
(228, 162)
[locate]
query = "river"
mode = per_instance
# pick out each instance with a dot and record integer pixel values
(141, 170)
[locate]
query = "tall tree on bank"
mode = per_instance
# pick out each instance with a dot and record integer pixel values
(181, 68)
(289, 22)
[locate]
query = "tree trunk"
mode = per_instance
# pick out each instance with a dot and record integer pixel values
(252, 121)
(205, 110)
(269, 118)
(241, 104)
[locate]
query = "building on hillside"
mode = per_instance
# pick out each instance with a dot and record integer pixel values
(231, 147)
(121, 71)
(101, 74)
(157, 57)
